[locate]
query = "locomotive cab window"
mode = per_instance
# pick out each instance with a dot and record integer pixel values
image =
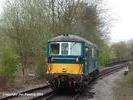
(75, 48)
(54, 48)
(64, 49)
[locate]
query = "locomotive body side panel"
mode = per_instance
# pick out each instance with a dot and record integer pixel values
(90, 59)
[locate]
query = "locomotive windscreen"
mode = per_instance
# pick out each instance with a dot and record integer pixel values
(65, 48)
(54, 47)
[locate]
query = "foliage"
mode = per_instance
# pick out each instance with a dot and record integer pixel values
(83, 17)
(41, 69)
(129, 78)
(9, 63)
(122, 49)
(130, 43)
(105, 53)
(26, 26)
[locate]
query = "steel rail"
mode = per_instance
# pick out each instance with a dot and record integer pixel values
(45, 96)
(75, 97)
(17, 95)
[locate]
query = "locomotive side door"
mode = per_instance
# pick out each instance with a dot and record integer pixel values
(87, 61)
(89, 66)
(95, 57)
(90, 59)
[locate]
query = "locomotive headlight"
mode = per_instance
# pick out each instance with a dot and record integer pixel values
(77, 59)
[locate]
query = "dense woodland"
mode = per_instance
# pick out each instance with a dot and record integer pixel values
(26, 25)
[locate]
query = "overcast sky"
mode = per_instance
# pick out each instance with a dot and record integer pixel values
(1, 2)
(121, 11)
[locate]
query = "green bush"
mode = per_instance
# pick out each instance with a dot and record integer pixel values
(41, 69)
(129, 78)
(105, 53)
(9, 63)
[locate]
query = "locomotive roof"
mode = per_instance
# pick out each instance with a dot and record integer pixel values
(70, 38)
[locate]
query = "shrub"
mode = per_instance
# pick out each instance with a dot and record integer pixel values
(129, 78)
(41, 69)
(105, 53)
(103, 56)
(9, 63)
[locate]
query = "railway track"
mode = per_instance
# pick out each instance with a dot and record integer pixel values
(75, 97)
(103, 73)
(107, 71)
(30, 94)
(46, 93)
